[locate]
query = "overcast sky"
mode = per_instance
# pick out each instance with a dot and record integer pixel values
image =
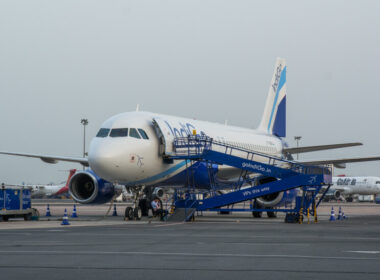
(61, 61)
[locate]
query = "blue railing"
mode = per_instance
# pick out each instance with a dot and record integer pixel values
(194, 146)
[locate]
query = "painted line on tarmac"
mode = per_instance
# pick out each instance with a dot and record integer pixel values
(185, 254)
(364, 252)
(170, 224)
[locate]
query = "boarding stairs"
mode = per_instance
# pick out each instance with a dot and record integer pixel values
(289, 174)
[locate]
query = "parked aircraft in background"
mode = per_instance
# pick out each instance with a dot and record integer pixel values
(39, 191)
(347, 187)
(132, 148)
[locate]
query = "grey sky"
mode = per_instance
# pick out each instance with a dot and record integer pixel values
(61, 61)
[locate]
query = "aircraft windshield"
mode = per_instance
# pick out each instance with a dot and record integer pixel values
(143, 134)
(103, 132)
(119, 132)
(133, 133)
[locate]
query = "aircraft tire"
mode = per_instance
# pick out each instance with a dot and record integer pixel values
(272, 215)
(128, 213)
(257, 214)
(137, 213)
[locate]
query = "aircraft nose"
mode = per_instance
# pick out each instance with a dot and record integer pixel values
(103, 160)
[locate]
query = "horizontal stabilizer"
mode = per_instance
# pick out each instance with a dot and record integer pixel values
(50, 159)
(308, 149)
(339, 163)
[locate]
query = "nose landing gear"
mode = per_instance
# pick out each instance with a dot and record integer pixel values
(135, 212)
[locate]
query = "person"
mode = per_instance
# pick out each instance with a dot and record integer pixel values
(156, 207)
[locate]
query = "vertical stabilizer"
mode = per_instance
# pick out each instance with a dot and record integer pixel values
(274, 117)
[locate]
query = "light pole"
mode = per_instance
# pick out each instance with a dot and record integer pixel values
(84, 122)
(297, 138)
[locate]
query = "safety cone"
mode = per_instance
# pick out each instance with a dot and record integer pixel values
(332, 216)
(65, 219)
(114, 211)
(48, 211)
(340, 217)
(74, 214)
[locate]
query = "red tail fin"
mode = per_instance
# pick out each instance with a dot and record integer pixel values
(72, 172)
(65, 189)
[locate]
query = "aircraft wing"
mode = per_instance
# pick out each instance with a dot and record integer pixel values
(308, 149)
(340, 163)
(51, 159)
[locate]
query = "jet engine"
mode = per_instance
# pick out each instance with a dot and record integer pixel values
(337, 194)
(159, 192)
(270, 200)
(87, 188)
(275, 199)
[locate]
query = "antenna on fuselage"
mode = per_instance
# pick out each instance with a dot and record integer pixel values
(137, 107)
(225, 122)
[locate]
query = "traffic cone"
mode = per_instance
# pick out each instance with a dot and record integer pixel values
(114, 211)
(340, 217)
(48, 211)
(332, 216)
(65, 219)
(74, 214)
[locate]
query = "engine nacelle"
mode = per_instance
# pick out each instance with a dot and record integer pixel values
(159, 192)
(270, 200)
(275, 199)
(337, 194)
(86, 187)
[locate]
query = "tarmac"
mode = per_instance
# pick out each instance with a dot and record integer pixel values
(213, 247)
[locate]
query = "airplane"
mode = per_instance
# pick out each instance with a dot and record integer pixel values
(39, 191)
(132, 149)
(347, 187)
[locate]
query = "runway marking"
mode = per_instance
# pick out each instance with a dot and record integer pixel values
(184, 254)
(364, 252)
(298, 237)
(207, 269)
(171, 224)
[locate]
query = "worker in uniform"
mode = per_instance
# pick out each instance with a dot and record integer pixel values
(156, 207)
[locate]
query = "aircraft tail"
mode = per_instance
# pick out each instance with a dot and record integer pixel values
(72, 172)
(273, 120)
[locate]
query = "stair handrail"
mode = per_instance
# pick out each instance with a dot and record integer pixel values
(196, 145)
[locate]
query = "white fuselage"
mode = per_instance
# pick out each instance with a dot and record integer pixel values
(45, 190)
(356, 185)
(132, 161)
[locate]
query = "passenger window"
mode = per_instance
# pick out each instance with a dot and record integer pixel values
(119, 132)
(103, 132)
(143, 134)
(133, 133)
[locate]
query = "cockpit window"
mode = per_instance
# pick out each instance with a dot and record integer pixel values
(119, 132)
(143, 134)
(133, 133)
(377, 182)
(103, 132)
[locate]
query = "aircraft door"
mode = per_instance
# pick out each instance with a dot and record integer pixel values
(165, 135)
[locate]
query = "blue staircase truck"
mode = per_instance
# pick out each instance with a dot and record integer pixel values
(286, 175)
(15, 202)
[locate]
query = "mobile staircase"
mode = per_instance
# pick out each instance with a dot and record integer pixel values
(287, 175)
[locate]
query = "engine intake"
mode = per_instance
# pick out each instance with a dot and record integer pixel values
(159, 192)
(273, 199)
(337, 194)
(86, 187)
